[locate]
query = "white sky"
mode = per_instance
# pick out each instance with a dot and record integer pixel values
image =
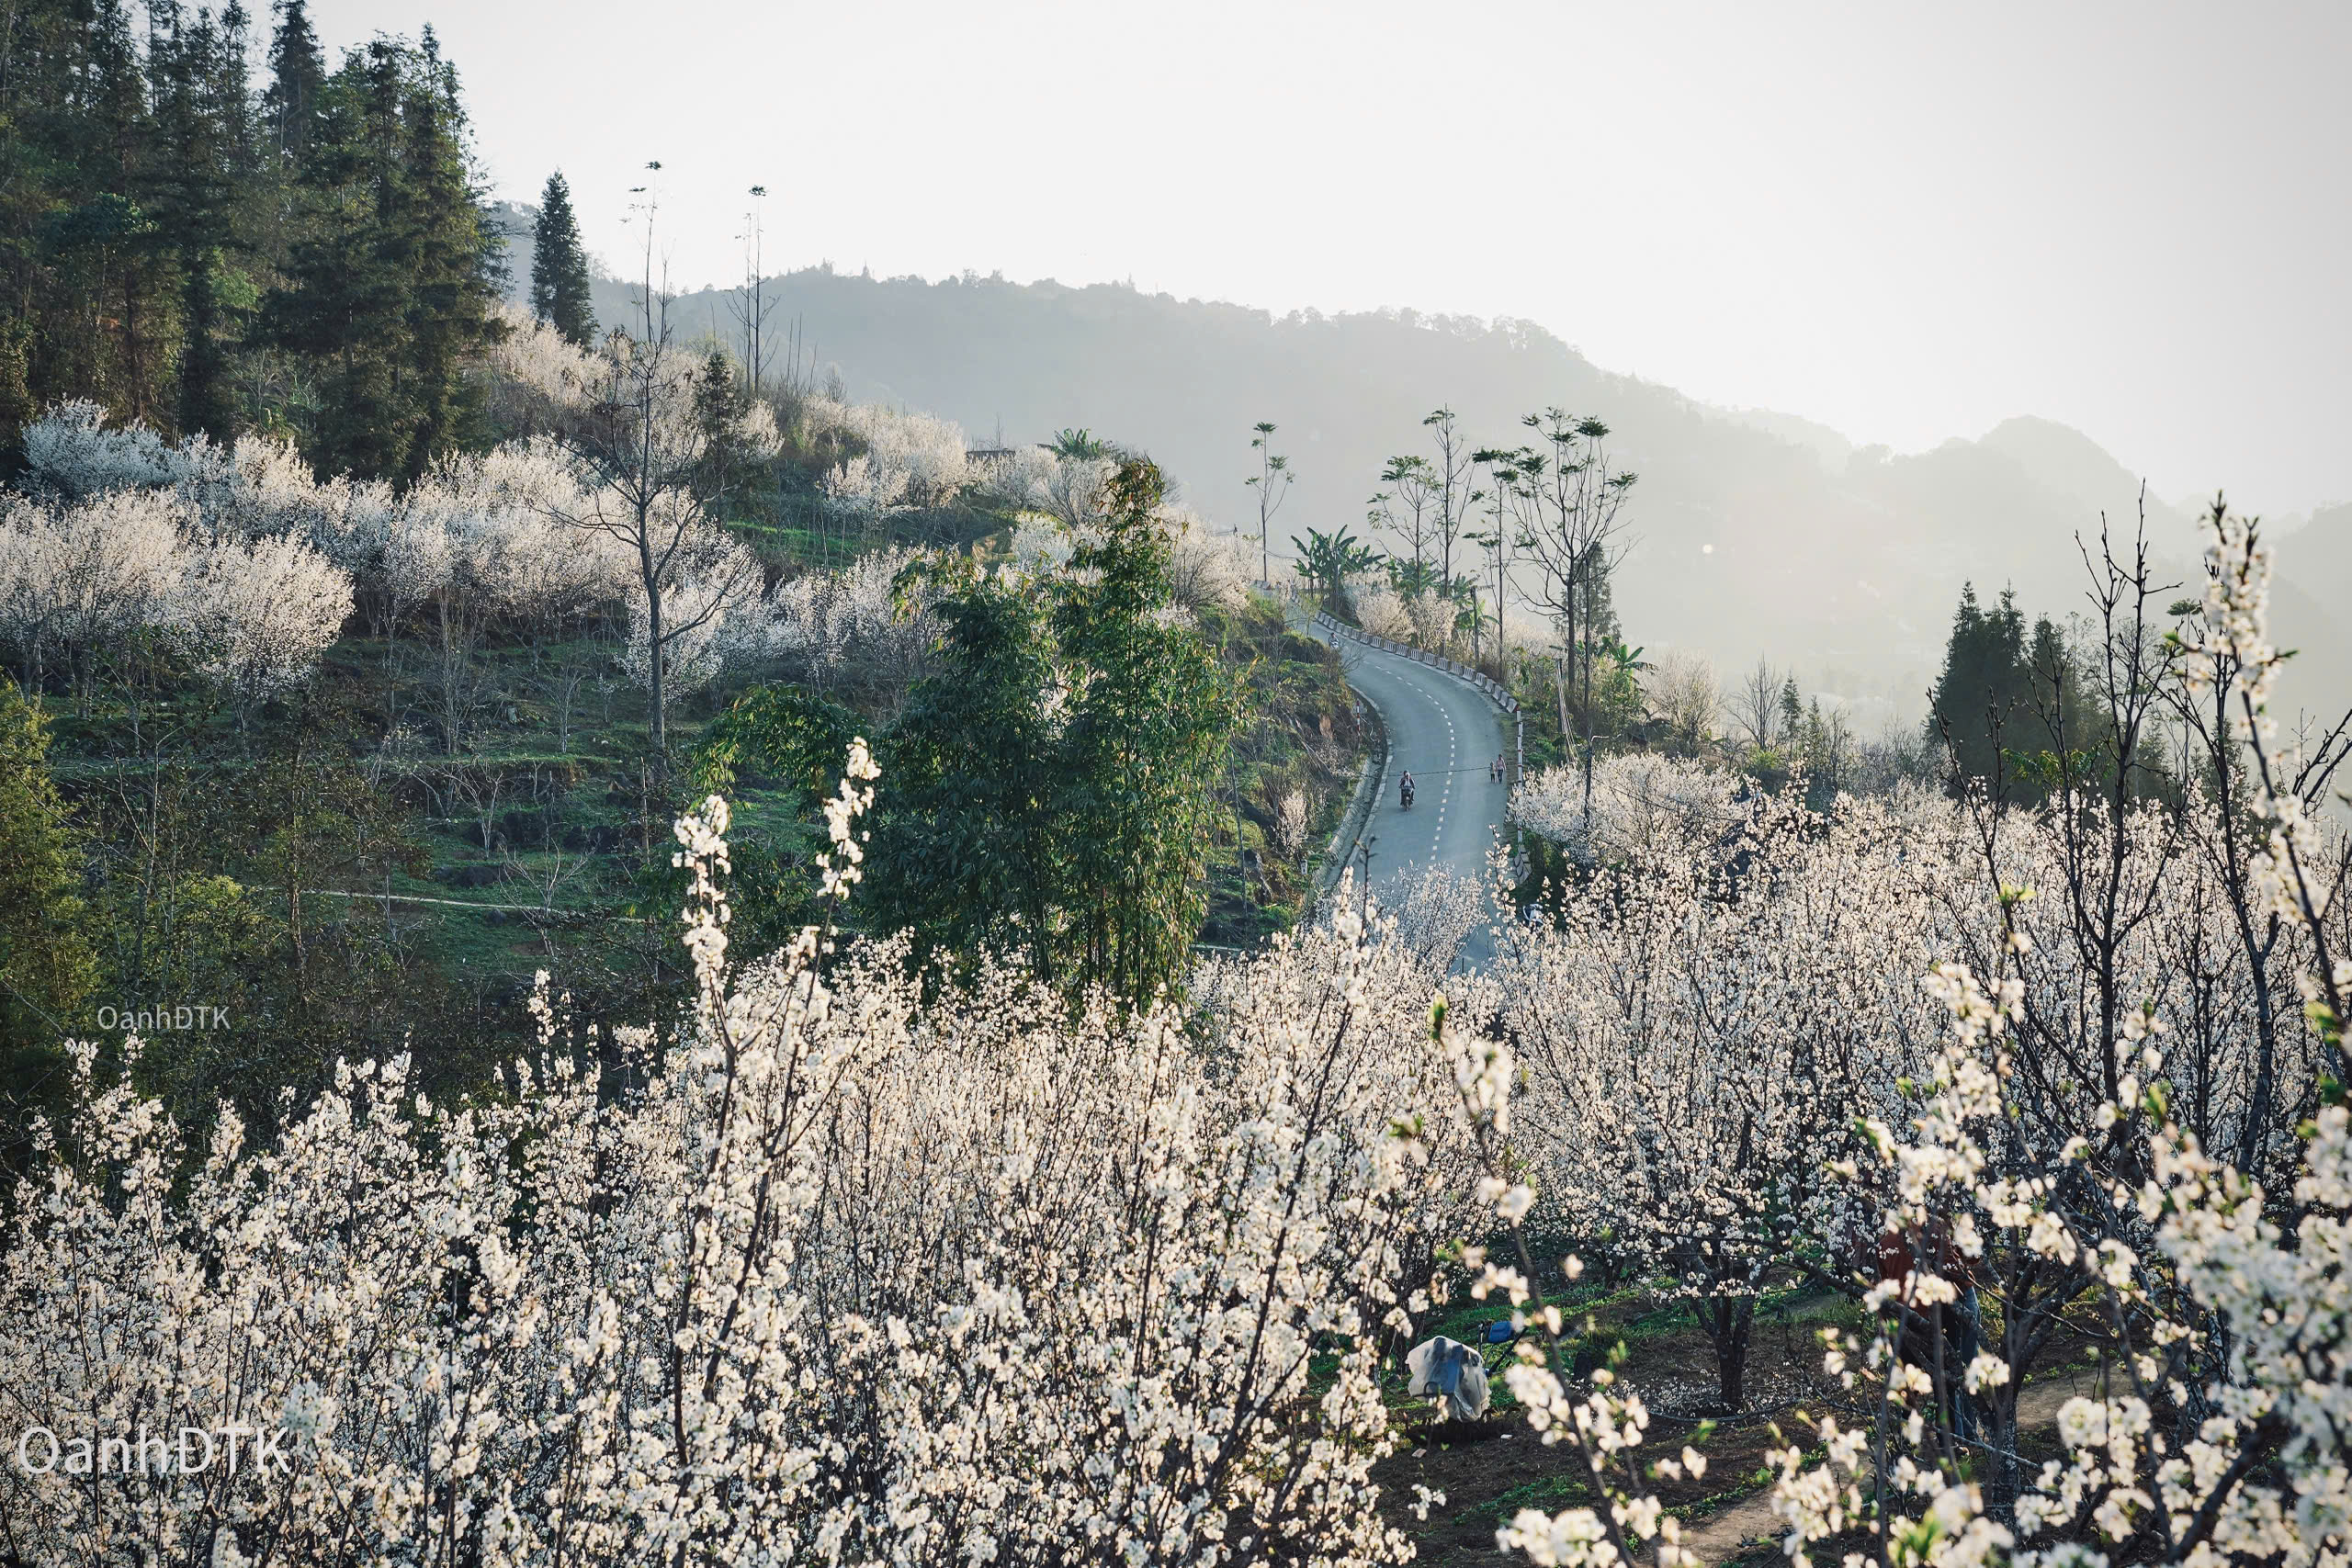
(1908, 223)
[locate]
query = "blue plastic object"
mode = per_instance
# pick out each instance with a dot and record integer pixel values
(1500, 1332)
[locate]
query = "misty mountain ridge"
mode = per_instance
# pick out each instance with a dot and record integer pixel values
(1754, 531)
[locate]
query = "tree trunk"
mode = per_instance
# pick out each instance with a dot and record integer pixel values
(654, 650)
(1583, 667)
(1560, 689)
(1733, 1318)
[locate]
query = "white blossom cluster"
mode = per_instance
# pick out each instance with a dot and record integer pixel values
(2221, 1433)
(847, 1275)
(1381, 611)
(887, 457)
(125, 532)
(1425, 620)
(1206, 570)
(1702, 1024)
(1070, 490)
(1641, 801)
(122, 541)
(2099, 1115)
(868, 616)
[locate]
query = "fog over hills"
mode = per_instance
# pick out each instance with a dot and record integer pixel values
(1756, 531)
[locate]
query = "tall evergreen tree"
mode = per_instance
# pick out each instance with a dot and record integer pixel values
(559, 266)
(149, 197)
(231, 89)
(1983, 684)
(97, 291)
(457, 256)
(298, 72)
(193, 185)
(392, 280)
(1142, 752)
(965, 854)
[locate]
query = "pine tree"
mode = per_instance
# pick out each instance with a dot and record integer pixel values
(232, 91)
(392, 276)
(560, 293)
(150, 197)
(101, 288)
(458, 263)
(297, 79)
(1983, 688)
(194, 187)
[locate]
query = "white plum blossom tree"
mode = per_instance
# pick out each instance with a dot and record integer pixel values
(722, 620)
(259, 613)
(882, 458)
(72, 452)
(841, 1272)
(1641, 800)
(871, 617)
(77, 578)
(1381, 611)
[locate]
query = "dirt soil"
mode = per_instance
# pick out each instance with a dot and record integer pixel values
(1491, 1469)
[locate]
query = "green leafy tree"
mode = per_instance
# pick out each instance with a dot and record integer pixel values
(1403, 510)
(1982, 686)
(47, 968)
(2013, 709)
(1080, 445)
(1327, 560)
(202, 143)
(1143, 751)
(965, 851)
(559, 280)
(723, 406)
(203, 258)
(1054, 786)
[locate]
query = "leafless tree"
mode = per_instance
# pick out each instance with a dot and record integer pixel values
(643, 449)
(481, 788)
(561, 685)
(751, 307)
(454, 668)
(1754, 706)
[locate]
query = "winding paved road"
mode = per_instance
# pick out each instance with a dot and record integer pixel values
(1445, 734)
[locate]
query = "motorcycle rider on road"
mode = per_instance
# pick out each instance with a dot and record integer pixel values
(1405, 790)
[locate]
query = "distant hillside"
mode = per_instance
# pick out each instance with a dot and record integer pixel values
(1845, 562)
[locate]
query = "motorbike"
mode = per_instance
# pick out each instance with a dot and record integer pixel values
(1405, 796)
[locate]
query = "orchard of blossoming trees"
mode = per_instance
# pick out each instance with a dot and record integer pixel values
(924, 1196)
(859, 1268)
(276, 685)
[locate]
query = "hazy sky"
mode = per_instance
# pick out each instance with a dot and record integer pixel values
(1908, 223)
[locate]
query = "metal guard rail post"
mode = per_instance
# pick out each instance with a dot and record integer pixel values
(1478, 677)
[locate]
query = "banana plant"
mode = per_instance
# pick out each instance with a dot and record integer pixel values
(1329, 560)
